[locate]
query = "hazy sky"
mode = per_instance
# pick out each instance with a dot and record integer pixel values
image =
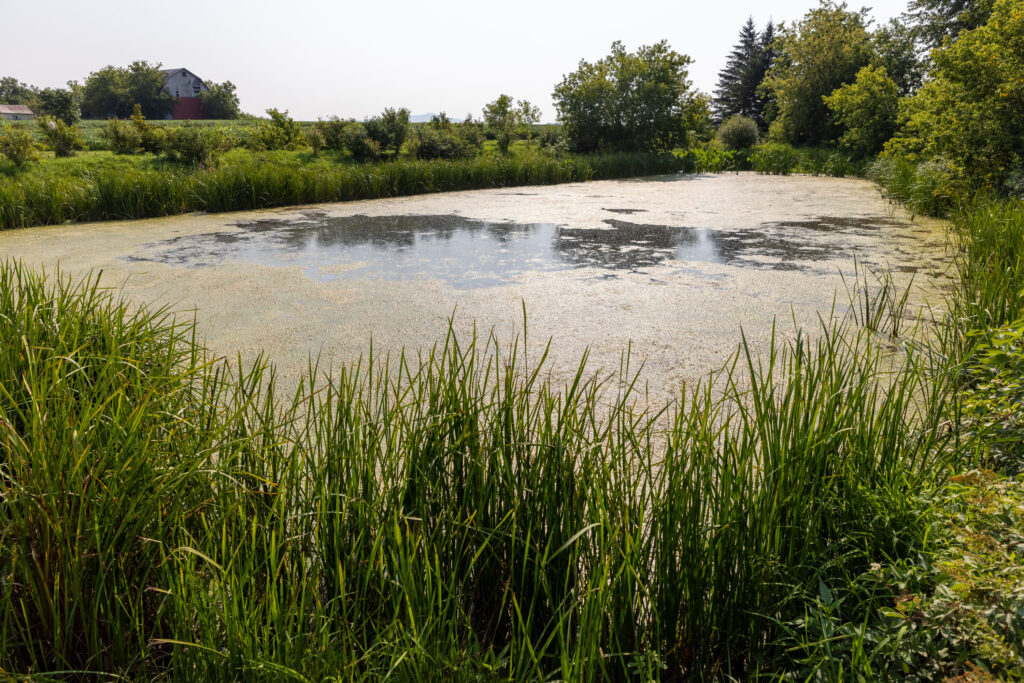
(353, 59)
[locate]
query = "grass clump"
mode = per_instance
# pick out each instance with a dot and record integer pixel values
(454, 515)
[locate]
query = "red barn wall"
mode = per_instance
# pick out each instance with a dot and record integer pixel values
(187, 108)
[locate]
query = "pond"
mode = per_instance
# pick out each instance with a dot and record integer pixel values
(671, 268)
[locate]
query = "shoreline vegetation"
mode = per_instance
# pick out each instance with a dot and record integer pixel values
(847, 506)
(101, 186)
(170, 516)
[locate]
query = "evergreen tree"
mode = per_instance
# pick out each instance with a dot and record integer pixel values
(750, 59)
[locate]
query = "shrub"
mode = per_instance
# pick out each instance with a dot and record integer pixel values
(315, 139)
(194, 144)
(389, 129)
(359, 143)
(151, 138)
(927, 188)
(333, 132)
(738, 132)
(121, 137)
(993, 403)
(775, 158)
(282, 132)
(18, 146)
(62, 138)
(441, 139)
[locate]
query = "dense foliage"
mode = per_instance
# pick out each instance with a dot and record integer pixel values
(220, 101)
(114, 91)
(969, 110)
(635, 101)
(822, 52)
(867, 110)
(389, 129)
(738, 132)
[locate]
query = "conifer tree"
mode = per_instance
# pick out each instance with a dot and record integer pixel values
(750, 59)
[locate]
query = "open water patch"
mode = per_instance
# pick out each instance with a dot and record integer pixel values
(468, 253)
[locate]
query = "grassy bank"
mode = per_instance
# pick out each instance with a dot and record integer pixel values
(456, 516)
(166, 516)
(106, 187)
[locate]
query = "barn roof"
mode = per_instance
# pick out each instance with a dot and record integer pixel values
(14, 109)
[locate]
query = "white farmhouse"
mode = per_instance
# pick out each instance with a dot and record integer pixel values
(15, 112)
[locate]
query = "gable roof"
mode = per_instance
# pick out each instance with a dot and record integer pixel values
(14, 109)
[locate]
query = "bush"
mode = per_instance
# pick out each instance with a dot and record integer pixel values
(282, 132)
(441, 139)
(18, 146)
(315, 139)
(151, 138)
(738, 132)
(194, 144)
(333, 132)
(359, 144)
(926, 188)
(775, 158)
(389, 129)
(121, 137)
(62, 138)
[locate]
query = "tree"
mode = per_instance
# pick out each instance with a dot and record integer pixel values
(389, 129)
(220, 102)
(969, 109)
(819, 54)
(60, 103)
(114, 91)
(508, 120)
(894, 49)
(867, 109)
(931, 21)
(749, 61)
(631, 101)
(13, 91)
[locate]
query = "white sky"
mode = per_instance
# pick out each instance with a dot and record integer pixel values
(318, 58)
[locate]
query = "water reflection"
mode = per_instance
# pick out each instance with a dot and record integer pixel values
(468, 253)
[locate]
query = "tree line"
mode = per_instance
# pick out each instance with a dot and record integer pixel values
(113, 92)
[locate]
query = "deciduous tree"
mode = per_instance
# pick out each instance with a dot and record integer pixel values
(635, 101)
(822, 52)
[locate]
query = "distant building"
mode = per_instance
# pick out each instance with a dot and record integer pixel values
(185, 86)
(15, 112)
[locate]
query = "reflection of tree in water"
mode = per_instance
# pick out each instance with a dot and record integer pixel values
(623, 246)
(447, 245)
(378, 231)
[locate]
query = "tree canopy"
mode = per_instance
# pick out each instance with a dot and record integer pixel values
(220, 101)
(114, 91)
(822, 52)
(636, 101)
(969, 110)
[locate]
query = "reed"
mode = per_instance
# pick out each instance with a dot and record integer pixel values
(128, 189)
(452, 515)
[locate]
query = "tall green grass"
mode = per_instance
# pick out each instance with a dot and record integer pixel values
(450, 516)
(74, 192)
(923, 187)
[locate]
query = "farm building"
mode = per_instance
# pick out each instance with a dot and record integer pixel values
(185, 86)
(15, 112)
